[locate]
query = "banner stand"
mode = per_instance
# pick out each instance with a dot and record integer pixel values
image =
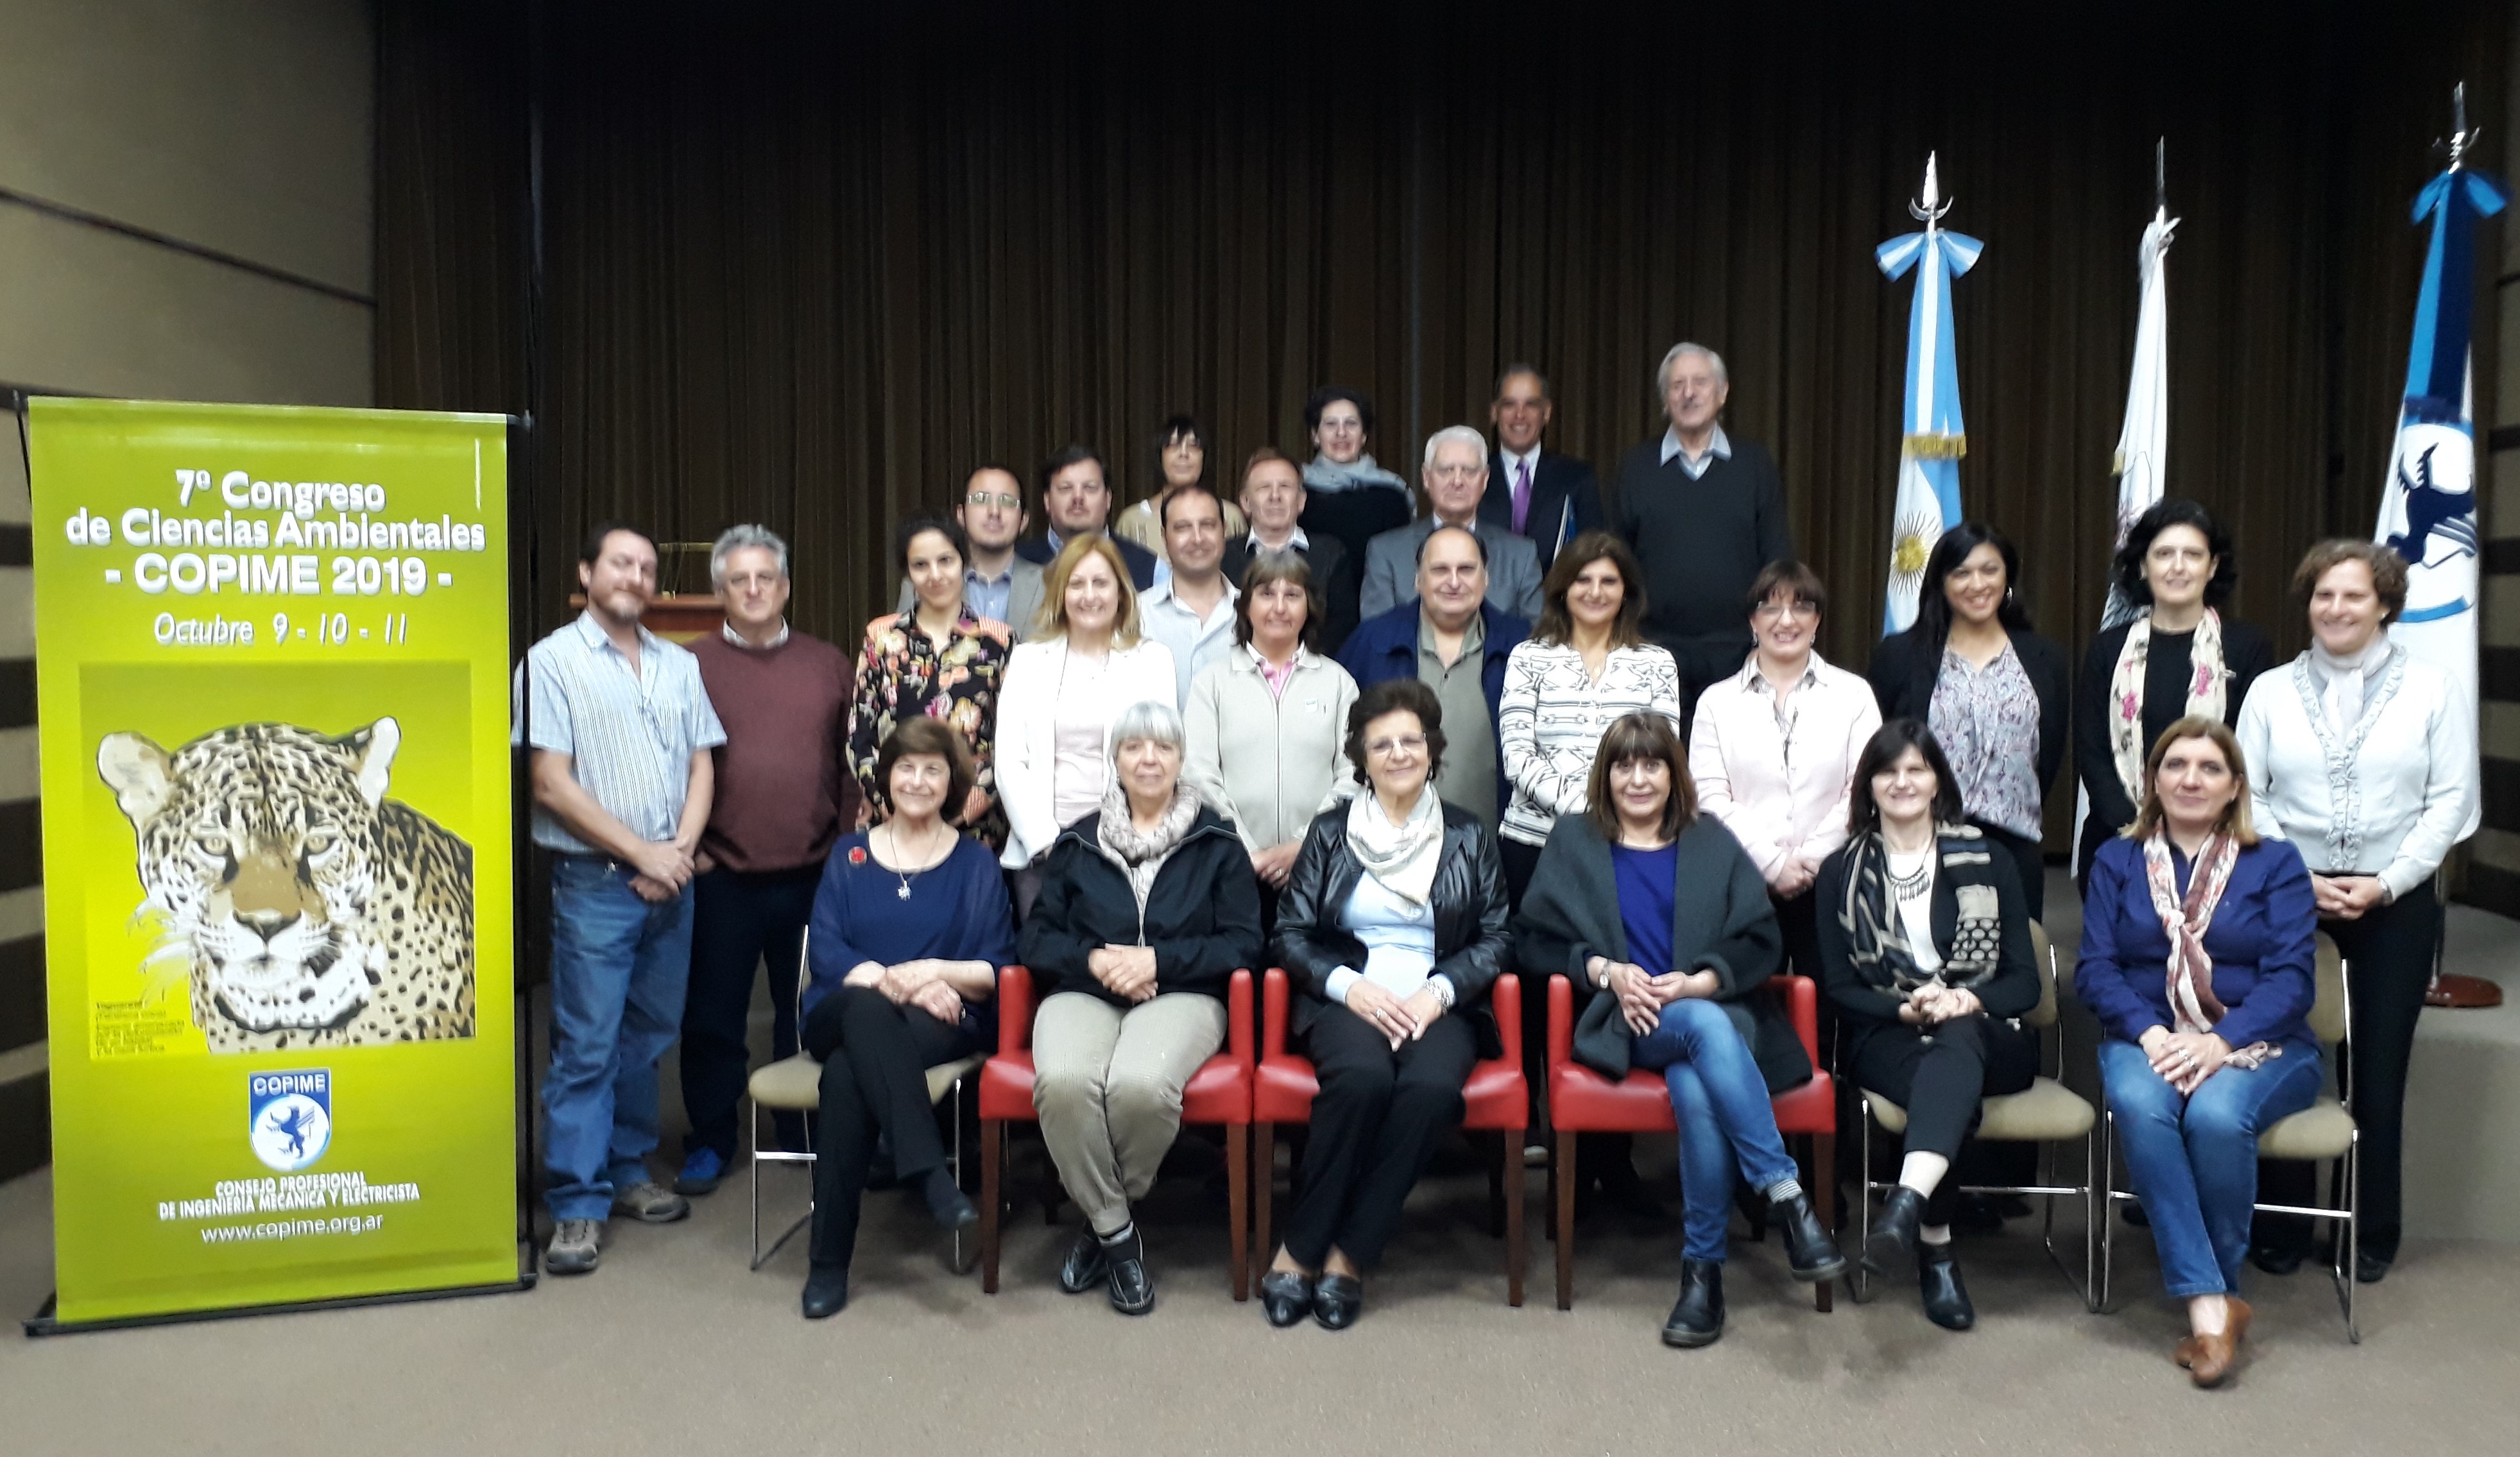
(524, 578)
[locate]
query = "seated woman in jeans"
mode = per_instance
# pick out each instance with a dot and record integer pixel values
(1665, 928)
(911, 924)
(1148, 909)
(2199, 948)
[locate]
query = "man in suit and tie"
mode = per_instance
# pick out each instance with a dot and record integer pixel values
(1536, 493)
(1076, 497)
(1456, 476)
(1273, 499)
(997, 584)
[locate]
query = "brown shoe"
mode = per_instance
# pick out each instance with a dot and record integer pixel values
(2213, 1356)
(2185, 1352)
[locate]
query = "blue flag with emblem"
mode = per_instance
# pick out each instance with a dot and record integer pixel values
(2428, 503)
(1931, 437)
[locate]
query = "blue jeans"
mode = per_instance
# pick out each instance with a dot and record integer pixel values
(2195, 1158)
(619, 966)
(1721, 1104)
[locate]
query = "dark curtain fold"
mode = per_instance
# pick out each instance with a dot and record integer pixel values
(809, 266)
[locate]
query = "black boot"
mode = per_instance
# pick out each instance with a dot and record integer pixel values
(827, 1292)
(1894, 1233)
(1938, 1279)
(1698, 1318)
(1809, 1249)
(1133, 1289)
(946, 1204)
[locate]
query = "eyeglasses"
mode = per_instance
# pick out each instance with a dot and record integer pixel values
(1771, 611)
(1406, 743)
(985, 499)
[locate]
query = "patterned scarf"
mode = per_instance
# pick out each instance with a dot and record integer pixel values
(1876, 938)
(2193, 1007)
(1327, 474)
(2205, 687)
(1141, 855)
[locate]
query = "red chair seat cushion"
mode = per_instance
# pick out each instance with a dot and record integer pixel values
(1580, 1100)
(1214, 1094)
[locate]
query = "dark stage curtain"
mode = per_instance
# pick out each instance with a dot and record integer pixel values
(807, 266)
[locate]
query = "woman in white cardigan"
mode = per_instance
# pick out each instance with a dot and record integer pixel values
(1061, 694)
(2365, 759)
(1268, 723)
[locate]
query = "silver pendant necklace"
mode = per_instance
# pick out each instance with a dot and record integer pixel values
(906, 876)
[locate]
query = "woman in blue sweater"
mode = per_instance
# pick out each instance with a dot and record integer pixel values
(2199, 957)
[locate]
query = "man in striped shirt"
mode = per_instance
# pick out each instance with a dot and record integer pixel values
(622, 730)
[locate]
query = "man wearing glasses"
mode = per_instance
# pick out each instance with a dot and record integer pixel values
(1456, 476)
(997, 584)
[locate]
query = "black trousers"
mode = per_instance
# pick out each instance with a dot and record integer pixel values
(1520, 860)
(2388, 964)
(1375, 1125)
(876, 1055)
(739, 919)
(1938, 1074)
(2029, 863)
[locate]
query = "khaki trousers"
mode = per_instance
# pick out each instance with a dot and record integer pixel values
(1107, 1086)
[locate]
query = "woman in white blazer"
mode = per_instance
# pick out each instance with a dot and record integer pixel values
(1061, 694)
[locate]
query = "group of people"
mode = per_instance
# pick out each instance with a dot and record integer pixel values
(1545, 728)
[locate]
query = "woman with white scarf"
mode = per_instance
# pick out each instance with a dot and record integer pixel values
(1392, 928)
(2365, 759)
(1346, 494)
(2198, 952)
(2178, 656)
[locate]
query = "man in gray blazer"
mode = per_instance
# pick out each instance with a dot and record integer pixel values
(1456, 476)
(996, 581)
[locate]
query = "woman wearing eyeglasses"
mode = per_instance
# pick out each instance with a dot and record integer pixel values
(1181, 459)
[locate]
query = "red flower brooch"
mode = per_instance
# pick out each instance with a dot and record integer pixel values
(857, 855)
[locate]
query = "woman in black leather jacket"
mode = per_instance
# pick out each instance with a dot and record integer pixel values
(1392, 928)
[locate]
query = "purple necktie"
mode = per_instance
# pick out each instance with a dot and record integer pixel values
(1521, 494)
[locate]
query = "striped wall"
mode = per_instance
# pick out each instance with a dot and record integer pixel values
(164, 233)
(2494, 855)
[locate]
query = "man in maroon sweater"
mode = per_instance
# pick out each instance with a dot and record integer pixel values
(784, 795)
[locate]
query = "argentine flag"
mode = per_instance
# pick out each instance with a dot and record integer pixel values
(1931, 438)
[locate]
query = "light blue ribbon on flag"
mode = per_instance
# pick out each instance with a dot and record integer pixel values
(1932, 437)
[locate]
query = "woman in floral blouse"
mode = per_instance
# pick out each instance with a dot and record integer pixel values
(938, 661)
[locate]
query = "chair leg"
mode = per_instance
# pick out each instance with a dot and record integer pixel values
(1264, 1190)
(1562, 1168)
(2353, 1235)
(959, 1267)
(1859, 1281)
(993, 1151)
(1510, 1179)
(752, 1171)
(1238, 1194)
(2107, 1213)
(1549, 1202)
(1496, 1194)
(1825, 1191)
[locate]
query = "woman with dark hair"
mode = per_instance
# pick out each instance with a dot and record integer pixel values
(935, 660)
(1393, 922)
(1924, 951)
(1267, 724)
(2199, 958)
(2363, 757)
(2176, 657)
(1347, 497)
(911, 924)
(1181, 459)
(1664, 927)
(1992, 690)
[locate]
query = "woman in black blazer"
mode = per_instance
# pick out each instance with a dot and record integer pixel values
(1992, 690)
(1393, 927)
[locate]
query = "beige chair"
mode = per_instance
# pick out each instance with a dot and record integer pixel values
(2046, 1112)
(2322, 1133)
(794, 1085)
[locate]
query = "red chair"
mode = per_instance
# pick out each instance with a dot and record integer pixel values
(1219, 1093)
(1583, 1101)
(1496, 1099)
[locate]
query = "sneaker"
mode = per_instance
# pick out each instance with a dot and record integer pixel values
(702, 1171)
(575, 1246)
(649, 1203)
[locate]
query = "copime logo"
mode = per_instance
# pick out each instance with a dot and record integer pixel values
(288, 1116)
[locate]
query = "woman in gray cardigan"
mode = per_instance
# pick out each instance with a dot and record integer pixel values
(1664, 926)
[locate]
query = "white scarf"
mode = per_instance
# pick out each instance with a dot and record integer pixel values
(1327, 474)
(1403, 855)
(2346, 678)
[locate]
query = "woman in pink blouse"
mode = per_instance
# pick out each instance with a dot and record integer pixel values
(1773, 748)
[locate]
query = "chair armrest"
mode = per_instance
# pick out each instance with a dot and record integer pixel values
(1561, 1021)
(1273, 1013)
(1507, 1004)
(1802, 1009)
(1014, 1008)
(1237, 1018)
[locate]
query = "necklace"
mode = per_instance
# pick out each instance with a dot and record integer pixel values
(1910, 886)
(907, 876)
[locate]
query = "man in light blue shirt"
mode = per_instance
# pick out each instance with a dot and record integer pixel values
(1191, 612)
(621, 729)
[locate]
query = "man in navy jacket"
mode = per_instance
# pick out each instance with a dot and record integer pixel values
(1532, 491)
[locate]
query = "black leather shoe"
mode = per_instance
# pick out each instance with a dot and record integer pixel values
(1337, 1300)
(1285, 1297)
(1813, 1255)
(2370, 1266)
(1938, 1279)
(1698, 1318)
(1894, 1233)
(947, 1205)
(1133, 1289)
(827, 1294)
(1083, 1268)
(2277, 1259)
